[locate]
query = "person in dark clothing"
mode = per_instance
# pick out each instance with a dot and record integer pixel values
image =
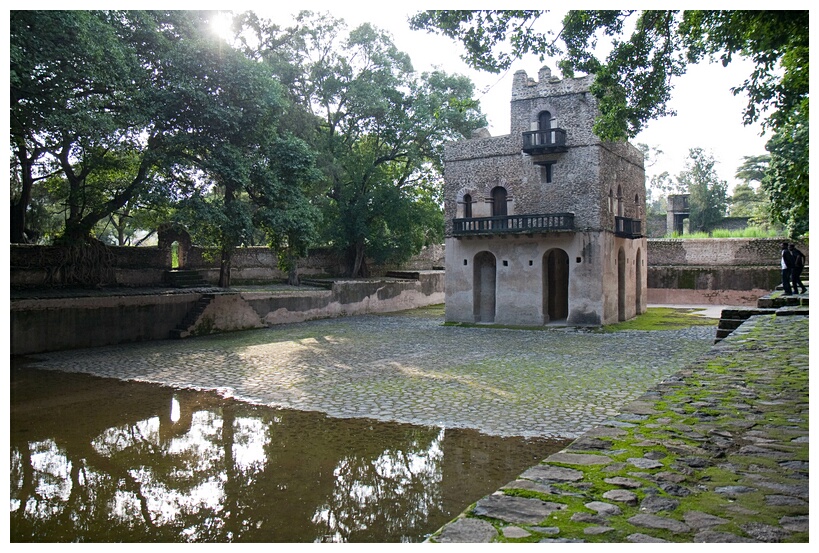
(786, 263)
(798, 265)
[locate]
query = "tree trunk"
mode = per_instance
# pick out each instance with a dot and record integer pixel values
(19, 208)
(358, 258)
(18, 222)
(224, 267)
(293, 273)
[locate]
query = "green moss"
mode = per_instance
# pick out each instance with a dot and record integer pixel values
(662, 318)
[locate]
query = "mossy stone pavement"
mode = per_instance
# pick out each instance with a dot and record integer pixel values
(716, 453)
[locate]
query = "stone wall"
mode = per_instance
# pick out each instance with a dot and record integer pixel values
(725, 271)
(68, 323)
(146, 266)
(718, 252)
(657, 225)
(39, 325)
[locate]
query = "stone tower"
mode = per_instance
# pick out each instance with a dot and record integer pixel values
(544, 225)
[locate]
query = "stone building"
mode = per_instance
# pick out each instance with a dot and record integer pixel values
(677, 212)
(544, 225)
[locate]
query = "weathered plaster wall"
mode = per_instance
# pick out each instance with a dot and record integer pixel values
(519, 291)
(67, 323)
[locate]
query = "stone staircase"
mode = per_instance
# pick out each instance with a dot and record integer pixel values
(183, 329)
(773, 303)
(179, 278)
(317, 282)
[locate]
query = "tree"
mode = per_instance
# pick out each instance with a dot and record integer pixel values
(748, 201)
(787, 181)
(71, 75)
(707, 199)
(634, 83)
(235, 142)
(159, 106)
(379, 132)
(753, 169)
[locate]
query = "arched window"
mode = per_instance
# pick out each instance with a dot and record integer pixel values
(619, 201)
(467, 206)
(499, 201)
(637, 210)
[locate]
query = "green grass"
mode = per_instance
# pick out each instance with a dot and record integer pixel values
(748, 232)
(662, 318)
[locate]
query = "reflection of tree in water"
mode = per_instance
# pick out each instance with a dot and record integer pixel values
(102, 460)
(394, 492)
(218, 471)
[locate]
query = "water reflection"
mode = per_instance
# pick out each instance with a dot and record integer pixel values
(99, 460)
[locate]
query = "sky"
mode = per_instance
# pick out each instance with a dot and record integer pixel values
(708, 116)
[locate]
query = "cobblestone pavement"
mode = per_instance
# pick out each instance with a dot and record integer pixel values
(410, 368)
(716, 453)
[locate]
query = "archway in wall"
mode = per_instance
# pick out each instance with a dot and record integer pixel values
(175, 241)
(483, 287)
(638, 278)
(175, 256)
(621, 285)
(555, 285)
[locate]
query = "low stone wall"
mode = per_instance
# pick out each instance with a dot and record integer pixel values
(725, 271)
(39, 325)
(146, 266)
(733, 252)
(714, 285)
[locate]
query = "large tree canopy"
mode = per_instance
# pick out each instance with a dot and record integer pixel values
(112, 107)
(635, 80)
(379, 129)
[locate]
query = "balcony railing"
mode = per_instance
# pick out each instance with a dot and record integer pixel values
(627, 228)
(522, 224)
(544, 142)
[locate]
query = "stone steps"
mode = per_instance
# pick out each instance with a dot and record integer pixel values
(183, 329)
(317, 282)
(774, 303)
(179, 278)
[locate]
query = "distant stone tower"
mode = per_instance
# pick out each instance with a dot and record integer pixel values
(544, 225)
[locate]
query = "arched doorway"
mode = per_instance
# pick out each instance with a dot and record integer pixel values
(483, 287)
(621, 285)
(555, 285)
(638, 278)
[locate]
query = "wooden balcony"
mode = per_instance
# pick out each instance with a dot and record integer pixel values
(544, 142)
(627, 228)
(513, 224)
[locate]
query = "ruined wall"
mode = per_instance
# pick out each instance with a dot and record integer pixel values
(145, 266)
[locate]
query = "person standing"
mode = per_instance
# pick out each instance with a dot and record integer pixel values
(798, 266)
(786, 263)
